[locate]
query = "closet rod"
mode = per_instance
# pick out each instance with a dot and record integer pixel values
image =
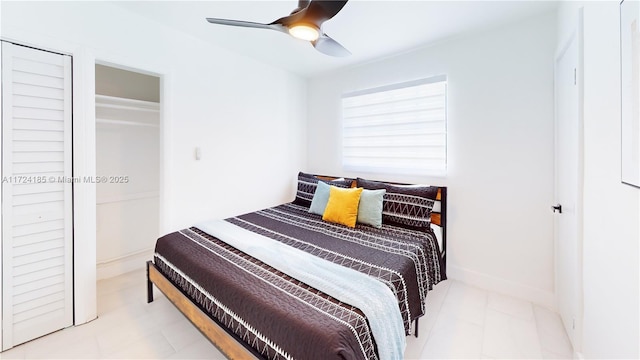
(127, 197)
(126, 107)
(123, 122)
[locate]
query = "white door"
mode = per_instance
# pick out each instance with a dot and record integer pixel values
(568, 248)
(37, 261)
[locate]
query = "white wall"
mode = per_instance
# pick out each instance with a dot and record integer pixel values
(611, 210)
(128, 151)
(248, 118)
(500, 148)
(112, 81)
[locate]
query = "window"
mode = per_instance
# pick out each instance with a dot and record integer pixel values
(396, 129)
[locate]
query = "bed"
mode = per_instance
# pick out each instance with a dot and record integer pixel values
(288, 283)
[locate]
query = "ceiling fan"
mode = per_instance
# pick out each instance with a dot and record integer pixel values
(304, 22)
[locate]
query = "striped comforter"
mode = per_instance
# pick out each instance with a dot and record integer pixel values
(281, 317)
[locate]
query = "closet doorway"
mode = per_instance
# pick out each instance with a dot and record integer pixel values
(127, 167)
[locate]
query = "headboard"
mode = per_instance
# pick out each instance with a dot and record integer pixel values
(437, 217)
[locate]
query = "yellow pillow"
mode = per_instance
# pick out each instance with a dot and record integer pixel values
(342, 207)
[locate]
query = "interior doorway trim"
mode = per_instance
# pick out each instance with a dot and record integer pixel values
(164, 170)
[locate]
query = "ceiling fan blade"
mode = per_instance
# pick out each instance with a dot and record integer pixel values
(320, 11)
(248, 24)
(302, 4)
(328, 46)
(295, 17)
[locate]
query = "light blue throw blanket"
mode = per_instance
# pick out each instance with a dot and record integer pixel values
(369, 295)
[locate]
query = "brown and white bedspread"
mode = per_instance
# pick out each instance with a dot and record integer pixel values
(281, 317)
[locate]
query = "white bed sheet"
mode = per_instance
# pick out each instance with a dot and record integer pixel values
(438, 231)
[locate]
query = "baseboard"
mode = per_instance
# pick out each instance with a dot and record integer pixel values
(122, 265)
(502, 286)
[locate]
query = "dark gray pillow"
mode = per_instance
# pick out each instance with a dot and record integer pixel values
(408, 206)
(307, 184)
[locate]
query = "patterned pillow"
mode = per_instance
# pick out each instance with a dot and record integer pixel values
(405, 206)
(307, 184)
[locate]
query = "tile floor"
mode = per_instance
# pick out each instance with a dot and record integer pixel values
(463, 322)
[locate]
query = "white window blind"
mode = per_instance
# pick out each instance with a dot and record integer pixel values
(400, 128)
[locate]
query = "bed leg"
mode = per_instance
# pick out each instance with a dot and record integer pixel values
(415, 333)
(149, 285)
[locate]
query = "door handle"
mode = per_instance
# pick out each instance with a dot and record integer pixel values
(557, 208)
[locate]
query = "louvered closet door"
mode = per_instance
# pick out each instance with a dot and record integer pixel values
(37, 258)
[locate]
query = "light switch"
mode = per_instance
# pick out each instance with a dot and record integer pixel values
(198, 153)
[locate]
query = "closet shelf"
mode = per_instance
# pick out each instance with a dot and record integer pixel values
(127, 123)
(112, 102)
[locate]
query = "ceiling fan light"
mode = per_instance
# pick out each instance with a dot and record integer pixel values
(304, 32)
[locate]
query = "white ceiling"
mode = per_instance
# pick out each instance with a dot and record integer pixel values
(369, 29)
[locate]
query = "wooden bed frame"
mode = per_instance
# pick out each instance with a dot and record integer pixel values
(230, 345)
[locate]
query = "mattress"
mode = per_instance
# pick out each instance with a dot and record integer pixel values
(279, 316)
